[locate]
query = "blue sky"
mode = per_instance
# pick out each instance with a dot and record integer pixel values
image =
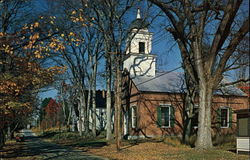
(166, 49)
(163, 46)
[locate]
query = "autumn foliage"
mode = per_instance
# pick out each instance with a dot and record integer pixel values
(51, 114)
(22, 74)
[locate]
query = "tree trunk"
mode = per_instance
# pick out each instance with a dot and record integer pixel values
(204, 138)
(188, 108)
(8, 133)
(69, 115)
(94, 96)
(188, 115)
(2, 138)
(80, 106)
(86, 118)
(108, 100)
(118, 108)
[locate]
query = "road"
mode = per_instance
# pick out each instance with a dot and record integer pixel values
(34, 148)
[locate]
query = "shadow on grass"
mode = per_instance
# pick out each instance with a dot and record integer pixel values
(35, 148)
(48, 134)
(92, 144)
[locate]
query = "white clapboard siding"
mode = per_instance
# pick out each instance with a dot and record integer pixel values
(243, 144)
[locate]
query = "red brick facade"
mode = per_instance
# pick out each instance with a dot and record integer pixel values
(146, 104)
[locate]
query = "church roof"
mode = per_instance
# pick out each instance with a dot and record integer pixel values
(173, 82)
(138, 23)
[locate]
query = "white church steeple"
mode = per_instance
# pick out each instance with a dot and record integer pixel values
(140, 61)
(138, 16)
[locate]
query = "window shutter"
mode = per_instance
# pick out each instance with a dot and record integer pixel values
(218, 118)
(159, 116)
(172, 117)
(130, 117)
(135, 114)
(230, 117)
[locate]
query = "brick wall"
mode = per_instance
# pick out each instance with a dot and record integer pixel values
(146, 104)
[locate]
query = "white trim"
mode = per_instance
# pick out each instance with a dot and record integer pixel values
(133, 109)
(242, 144)
(140, 136)
(169, 114)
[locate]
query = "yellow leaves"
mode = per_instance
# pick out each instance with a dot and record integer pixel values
(34, 37)
(61, 47)
(71, 33)
(77, 16)
(7, 49)
(19, 107)
(52, 45)
(57, 69)
(81, 19)
(37, 54)
(9, 86)
(51, 22)
(62, 35)
(36, 24)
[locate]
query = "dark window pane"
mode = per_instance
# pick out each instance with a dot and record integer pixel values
(224, 117)
(141, 47)
(165, 116)
(133, 117)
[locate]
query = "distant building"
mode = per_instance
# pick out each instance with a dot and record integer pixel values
(100, 112)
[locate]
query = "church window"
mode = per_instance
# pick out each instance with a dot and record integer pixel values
(141, 47)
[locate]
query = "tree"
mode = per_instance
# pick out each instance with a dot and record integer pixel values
(52, 113)
(110, 23)
(117, 35)
(191, 27)
(21, 73)
(81, 49)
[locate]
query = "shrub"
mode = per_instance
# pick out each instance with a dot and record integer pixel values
(229, 139)
(65, 136)
(172, 141)
(191, 140)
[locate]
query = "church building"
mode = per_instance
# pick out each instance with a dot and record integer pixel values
(153, 102)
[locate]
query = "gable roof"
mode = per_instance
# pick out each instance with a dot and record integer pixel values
(173, 82)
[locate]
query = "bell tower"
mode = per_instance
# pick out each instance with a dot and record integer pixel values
(140, 61)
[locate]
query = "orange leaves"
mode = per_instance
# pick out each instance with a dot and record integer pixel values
(11, 108)
(36, 24)
(52, 44)
(57, 69)
(9, 86)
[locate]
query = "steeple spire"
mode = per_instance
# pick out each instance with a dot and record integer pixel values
(138, 13)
